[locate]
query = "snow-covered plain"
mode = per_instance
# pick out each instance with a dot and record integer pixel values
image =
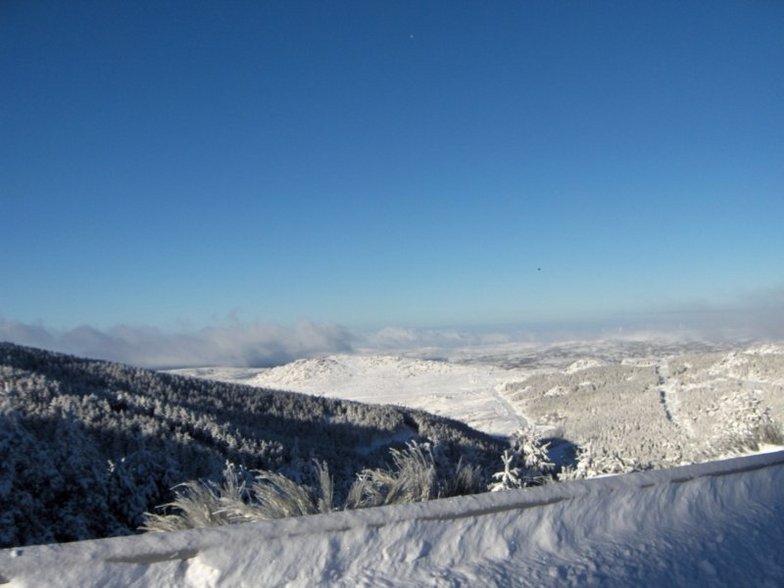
(713, 524)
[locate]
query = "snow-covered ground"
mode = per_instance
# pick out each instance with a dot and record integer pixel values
(713, 524)
(468, 393)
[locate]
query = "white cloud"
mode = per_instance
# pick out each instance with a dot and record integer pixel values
(758, 315)
(240, 345)
(397, 338)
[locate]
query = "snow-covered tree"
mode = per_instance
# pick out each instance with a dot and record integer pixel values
(534, 456)
(510, 476)
(526, 463)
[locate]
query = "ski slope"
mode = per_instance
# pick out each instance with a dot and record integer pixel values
(717, 524)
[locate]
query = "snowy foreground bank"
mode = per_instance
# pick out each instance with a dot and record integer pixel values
(719, 523)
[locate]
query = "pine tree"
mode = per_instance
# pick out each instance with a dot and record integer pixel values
(509, 478)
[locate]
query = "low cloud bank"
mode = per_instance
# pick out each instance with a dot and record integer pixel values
(759, 316)
(255, 345)
(264, 345)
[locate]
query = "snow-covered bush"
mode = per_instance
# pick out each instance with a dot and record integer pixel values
(272, 495)
(593, 462)
(199, 504)
(741, 423)
(527, 463)
(421, 471)
(413, 479)
(269, 496)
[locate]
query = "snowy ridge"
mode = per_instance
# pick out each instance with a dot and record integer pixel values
(583, 364)
(717, 523)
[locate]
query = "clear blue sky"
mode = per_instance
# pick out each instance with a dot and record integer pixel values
(387, 163)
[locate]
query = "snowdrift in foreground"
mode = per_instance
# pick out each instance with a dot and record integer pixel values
(718, 523)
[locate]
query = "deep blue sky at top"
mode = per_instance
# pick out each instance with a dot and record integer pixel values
(388, 162)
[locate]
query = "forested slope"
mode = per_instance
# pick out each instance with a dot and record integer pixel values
(86, 447)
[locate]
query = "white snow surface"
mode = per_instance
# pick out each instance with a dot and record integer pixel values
(469, 393)
(712, 524)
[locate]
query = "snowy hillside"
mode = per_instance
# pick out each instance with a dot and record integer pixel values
(715, 524)
(467, 393)
(87, 447)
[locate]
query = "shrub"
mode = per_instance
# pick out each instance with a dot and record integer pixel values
(413, 478)
(593, 462)
(200, 504)
(741, 424)
(527, 463)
